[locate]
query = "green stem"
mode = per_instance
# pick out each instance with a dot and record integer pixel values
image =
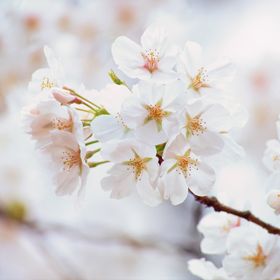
(95, 164)
(81, 97)
(91, 142)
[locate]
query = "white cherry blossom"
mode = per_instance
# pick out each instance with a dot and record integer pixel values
(135, 168)
(204, 126)
(154, 59)
(216, 228)
(67, 162)
(152, 111)
(206, 270)
(182, 170)
(271, 157)
(200, 79)
(252, 254)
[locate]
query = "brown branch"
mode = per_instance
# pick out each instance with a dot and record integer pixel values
(247, 215)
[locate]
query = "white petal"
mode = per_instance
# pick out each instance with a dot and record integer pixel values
(192, 57)
(149, 195)
(127, 55)
(202, 179)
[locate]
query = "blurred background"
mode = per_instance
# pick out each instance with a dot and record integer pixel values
(100, 238)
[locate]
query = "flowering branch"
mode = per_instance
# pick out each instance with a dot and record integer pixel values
(247, 215)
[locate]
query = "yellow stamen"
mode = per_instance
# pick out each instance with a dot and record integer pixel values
(47, 83)
(258, 259)
(200, 80)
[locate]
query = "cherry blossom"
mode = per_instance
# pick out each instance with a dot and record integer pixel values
(47, 115)
(152, 111)
(154, 59)
(216, 228)
(183, 170)
(135, 168)
(252, 254)
(204, 126)
(200, 79)
(67, 161)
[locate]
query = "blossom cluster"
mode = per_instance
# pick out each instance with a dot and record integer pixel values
(249, 251)
(158, 136)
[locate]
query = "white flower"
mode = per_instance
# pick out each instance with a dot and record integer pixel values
(182, 170)
(135, 166)
(207, 270)
(45, 79)
(252, 252)
(216, 228)
(198, 78)
(67, 161)
(47, 115)
(271, 157)
(204, 126)
(152, 111)
(154, 59)
(108, 127)
(273, 200)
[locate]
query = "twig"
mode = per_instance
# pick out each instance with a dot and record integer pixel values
(247, 215)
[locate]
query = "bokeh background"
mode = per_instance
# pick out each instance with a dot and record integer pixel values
(100, 238)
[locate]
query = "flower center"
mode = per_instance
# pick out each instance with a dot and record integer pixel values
(194, 126)
(138, 164)
(230, 225)
(156, 113)
(62, 124)
(276, 158)
(200, 80)
(185, 164)
(258, 259)
(151, 60)
(47, 83)
(70, 159)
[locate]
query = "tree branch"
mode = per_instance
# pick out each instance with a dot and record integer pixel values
(247, 215)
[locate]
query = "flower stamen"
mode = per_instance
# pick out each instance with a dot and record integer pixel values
(258, 259)
(151, 59)
(47, 83)
(194, 126)
(200, 80)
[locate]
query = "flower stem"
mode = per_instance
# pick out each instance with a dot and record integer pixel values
(95, 164)
(81, 97)
(91, 142)
(247, 215)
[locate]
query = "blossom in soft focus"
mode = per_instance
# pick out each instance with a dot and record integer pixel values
(206, 270)
(216, 228)
(252, 254)
(273, 200)
(154, 59)
(135, 168)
